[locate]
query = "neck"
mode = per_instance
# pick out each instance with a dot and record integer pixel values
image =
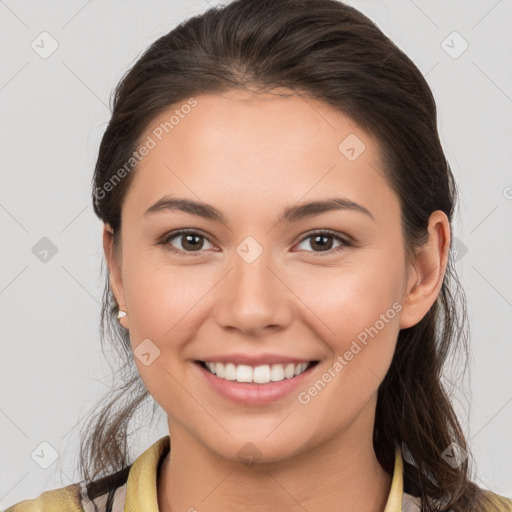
(341, 474)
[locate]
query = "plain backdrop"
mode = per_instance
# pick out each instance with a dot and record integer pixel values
(53, 112)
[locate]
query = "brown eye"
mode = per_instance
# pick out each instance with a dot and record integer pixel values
(192, 242)
(185, 241)
(322, 242)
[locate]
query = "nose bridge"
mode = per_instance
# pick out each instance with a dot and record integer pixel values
(252, 277)
(252, 296)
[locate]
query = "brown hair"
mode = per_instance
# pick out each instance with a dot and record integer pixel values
(329, 51)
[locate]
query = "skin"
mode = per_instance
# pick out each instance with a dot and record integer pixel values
(251, 155)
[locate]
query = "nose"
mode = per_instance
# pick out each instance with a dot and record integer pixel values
(254, 298)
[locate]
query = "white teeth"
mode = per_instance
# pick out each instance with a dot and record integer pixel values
(276, 372)
(262, 374)
(220, 370)
(230, 371)
(289, 371)
(243, 373)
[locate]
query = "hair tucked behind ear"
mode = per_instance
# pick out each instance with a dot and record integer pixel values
(329, 51)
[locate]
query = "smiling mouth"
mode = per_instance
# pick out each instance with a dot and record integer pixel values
(261, 374)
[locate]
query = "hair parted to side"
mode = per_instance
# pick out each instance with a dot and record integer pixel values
(329, 51)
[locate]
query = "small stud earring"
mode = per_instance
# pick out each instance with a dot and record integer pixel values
(121, 314)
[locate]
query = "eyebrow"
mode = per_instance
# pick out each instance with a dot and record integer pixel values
(291, 214)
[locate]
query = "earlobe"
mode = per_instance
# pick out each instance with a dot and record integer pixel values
(428, 270)
(121, 316)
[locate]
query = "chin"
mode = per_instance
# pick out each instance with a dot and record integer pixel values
(254, 448)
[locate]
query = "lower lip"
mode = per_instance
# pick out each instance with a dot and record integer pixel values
(247, 393)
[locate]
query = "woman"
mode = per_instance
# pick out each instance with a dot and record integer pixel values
(277, 215)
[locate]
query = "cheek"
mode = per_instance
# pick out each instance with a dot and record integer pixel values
(167, 305)
(358, 310)
(162, 303)
(363, 319)
(350, 298)
(163, 297)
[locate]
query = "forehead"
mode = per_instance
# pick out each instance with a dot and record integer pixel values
(245, 150)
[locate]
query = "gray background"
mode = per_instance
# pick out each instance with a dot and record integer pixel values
(53, 113)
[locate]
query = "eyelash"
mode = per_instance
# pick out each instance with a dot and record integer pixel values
(165, 243)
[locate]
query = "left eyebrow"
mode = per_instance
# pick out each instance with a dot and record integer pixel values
(301, 211)
(290, 214)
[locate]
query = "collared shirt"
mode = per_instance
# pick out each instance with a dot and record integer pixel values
(139, 493)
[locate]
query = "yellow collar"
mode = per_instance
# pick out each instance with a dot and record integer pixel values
(141, 490)
(394, 503)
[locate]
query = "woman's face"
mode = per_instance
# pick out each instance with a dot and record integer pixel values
(259, 283)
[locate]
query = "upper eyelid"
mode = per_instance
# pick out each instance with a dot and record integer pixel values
(345, 239)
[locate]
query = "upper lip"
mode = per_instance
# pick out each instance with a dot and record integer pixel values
(255, 360)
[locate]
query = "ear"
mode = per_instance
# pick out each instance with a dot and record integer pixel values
(426, 273)
(114, 271)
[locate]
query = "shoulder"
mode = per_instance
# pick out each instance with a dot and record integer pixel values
(75, 498)
(64, 499)
(496, 502)
(107, 493)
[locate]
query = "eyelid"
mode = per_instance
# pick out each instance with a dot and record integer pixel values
(180, 232)
(345, 239)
